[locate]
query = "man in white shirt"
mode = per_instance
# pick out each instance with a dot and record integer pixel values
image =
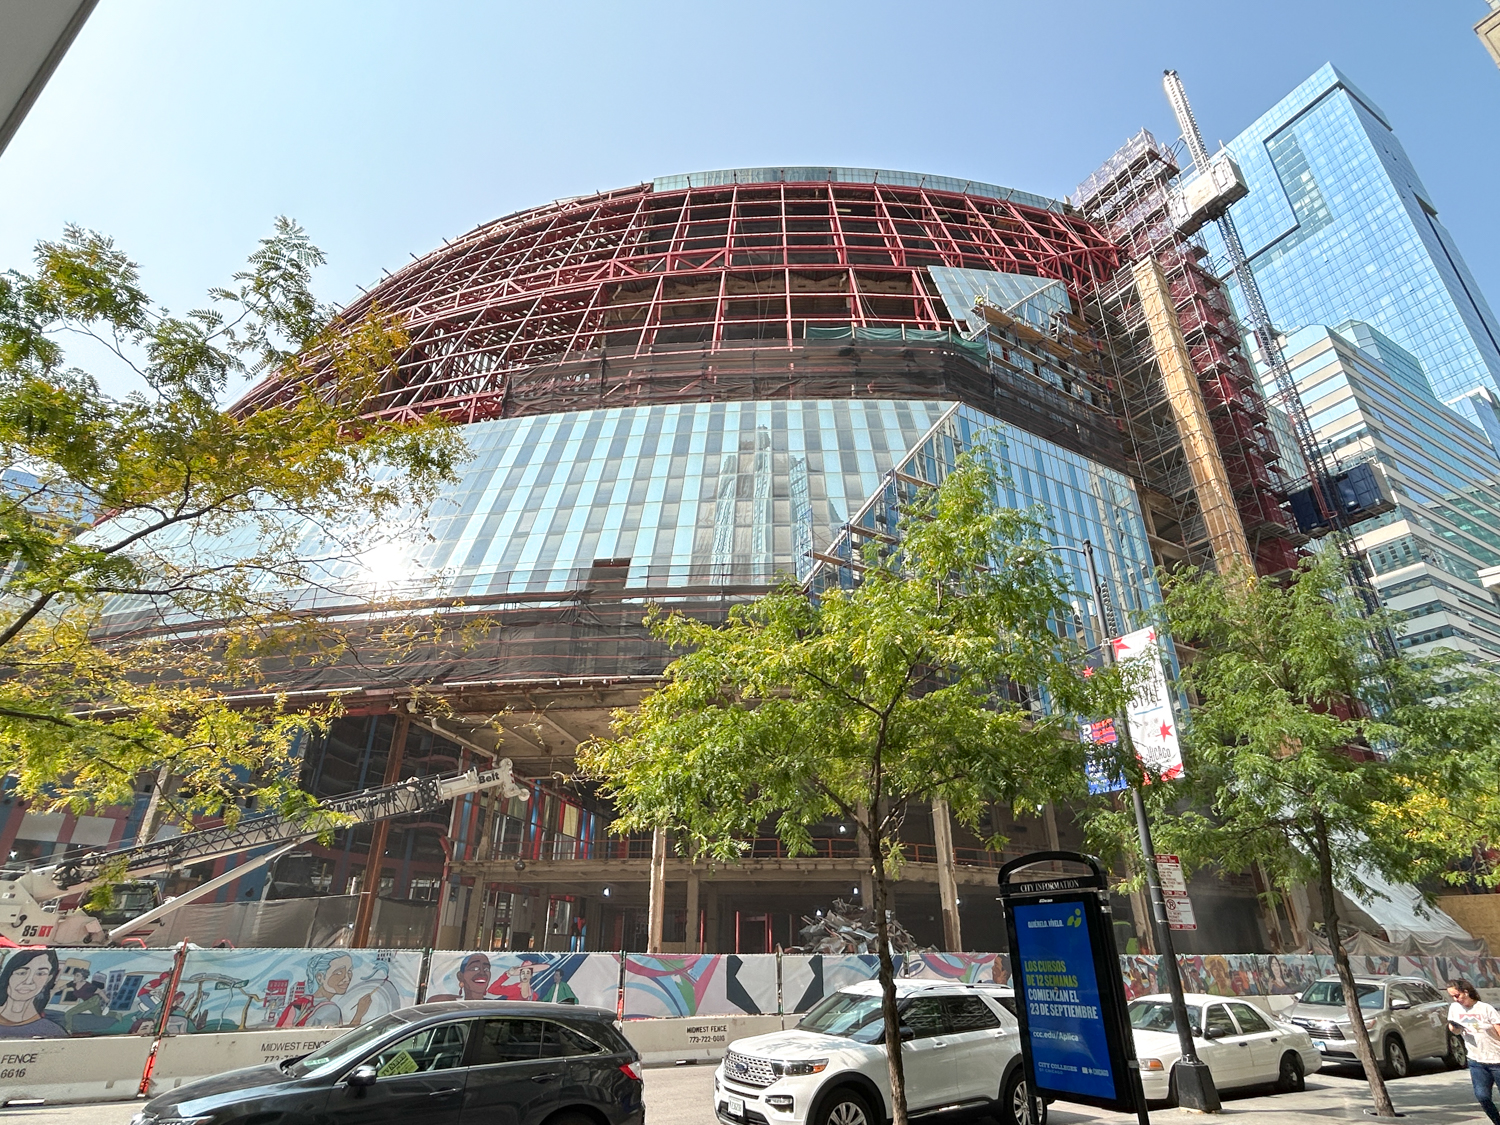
(1479, 1024)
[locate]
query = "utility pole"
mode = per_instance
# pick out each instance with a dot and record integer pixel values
(1195, 1083)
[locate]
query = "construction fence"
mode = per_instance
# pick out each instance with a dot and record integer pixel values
(118, 1023)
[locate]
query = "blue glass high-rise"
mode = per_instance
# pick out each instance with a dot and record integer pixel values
(1339, 226)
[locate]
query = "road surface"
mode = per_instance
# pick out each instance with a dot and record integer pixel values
(681, 1096)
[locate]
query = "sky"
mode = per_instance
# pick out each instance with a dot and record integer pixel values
(182, 129)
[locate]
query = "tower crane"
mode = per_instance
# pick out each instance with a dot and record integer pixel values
(1286, 396)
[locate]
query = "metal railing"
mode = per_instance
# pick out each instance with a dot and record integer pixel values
(761, 847)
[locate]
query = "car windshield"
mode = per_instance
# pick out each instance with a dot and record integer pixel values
(1156, 1015)
(1331, 992)
(846, 1014)
(347, 1047)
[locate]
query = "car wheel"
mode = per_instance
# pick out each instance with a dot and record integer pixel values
(1017, 1106)
(846, 1107)
(1291, 1079)
(1458, 1053)
(1394, 1063)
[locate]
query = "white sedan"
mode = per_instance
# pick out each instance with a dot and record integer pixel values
(1240, 1043)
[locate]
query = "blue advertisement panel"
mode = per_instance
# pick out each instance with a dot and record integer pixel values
(1065, 1018)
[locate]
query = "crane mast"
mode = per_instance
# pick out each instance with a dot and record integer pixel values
(1285, 396)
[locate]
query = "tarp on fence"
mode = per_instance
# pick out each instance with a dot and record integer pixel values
(701, 984)
(93, 992)
(260, 989)
(584, 978)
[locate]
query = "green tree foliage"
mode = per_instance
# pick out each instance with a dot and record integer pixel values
(1310, 756)
(858, 704)
(134, 501)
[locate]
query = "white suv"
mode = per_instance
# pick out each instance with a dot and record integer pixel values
(962, 1050)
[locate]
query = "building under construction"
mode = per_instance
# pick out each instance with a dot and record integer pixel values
(685, 391)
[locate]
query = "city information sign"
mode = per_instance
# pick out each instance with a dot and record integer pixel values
(1076, 1042)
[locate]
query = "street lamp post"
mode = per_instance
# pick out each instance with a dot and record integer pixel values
(1195, 1083)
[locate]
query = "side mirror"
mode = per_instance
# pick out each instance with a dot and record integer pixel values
(907, 1032)
(360, 1077)
(1399, 1005)
(1212, 1033)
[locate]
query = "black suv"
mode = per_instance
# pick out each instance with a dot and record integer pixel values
(480, 1062)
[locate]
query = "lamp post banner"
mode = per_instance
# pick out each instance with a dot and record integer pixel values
(1153, 723)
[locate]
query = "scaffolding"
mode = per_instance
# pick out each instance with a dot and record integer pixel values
(1197, 428)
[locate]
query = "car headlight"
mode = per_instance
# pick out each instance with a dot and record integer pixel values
(782, 1102)
(1151, 1064)
(798, 1068)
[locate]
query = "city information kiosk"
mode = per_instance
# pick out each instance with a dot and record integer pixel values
(1076, 1043)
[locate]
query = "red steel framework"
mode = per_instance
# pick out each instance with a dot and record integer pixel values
(500, 319)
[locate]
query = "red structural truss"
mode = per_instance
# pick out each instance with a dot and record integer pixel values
(1128, 198)
(641, 272)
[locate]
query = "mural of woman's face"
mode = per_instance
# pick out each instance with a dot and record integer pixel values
(29, 980)
(339, 977)
(474, 978)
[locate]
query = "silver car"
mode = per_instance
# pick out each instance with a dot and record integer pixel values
(1407, 1018)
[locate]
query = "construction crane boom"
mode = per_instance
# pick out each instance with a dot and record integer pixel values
(23, 892)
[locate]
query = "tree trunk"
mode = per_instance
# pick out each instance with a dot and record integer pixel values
(887, 979)
(1362, 1047)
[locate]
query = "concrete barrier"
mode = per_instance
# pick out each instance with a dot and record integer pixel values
(185, 1058)
(697, 1037)
(72, 1070)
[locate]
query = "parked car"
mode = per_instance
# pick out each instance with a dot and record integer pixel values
(1241, 1044)
(1406, 1017)
(454, 1063)
(961, 1050)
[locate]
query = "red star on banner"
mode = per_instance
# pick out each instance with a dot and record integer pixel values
(1166, 730)
(1118, 644)
(1087, 672)
(1151, 636)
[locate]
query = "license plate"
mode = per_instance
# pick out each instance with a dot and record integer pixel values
(735, 1107)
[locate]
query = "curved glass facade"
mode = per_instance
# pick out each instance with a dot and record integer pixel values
(699, 495)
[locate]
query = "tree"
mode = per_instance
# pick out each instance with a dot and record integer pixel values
(914, 686)
(1308, 753)
(128, 523)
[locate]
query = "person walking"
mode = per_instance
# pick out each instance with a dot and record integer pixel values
(1479, 1024)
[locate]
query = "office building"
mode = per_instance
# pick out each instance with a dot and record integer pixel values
(1339, 226)
(1368, 401)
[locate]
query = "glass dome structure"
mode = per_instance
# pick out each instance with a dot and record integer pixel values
(686, 389)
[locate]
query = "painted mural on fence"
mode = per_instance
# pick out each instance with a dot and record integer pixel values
(80, 992)
(257, 989)
(703, 984)
(58, 993)
(568, 978)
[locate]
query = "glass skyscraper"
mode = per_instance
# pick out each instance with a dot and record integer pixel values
(1367, 401)
(1338, 226)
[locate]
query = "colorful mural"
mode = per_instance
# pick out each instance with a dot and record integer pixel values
(256, 989)
(568, 978)
(704, 984)
(56, 993)
(81, 992)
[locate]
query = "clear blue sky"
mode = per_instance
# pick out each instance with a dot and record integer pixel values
(182, 128)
